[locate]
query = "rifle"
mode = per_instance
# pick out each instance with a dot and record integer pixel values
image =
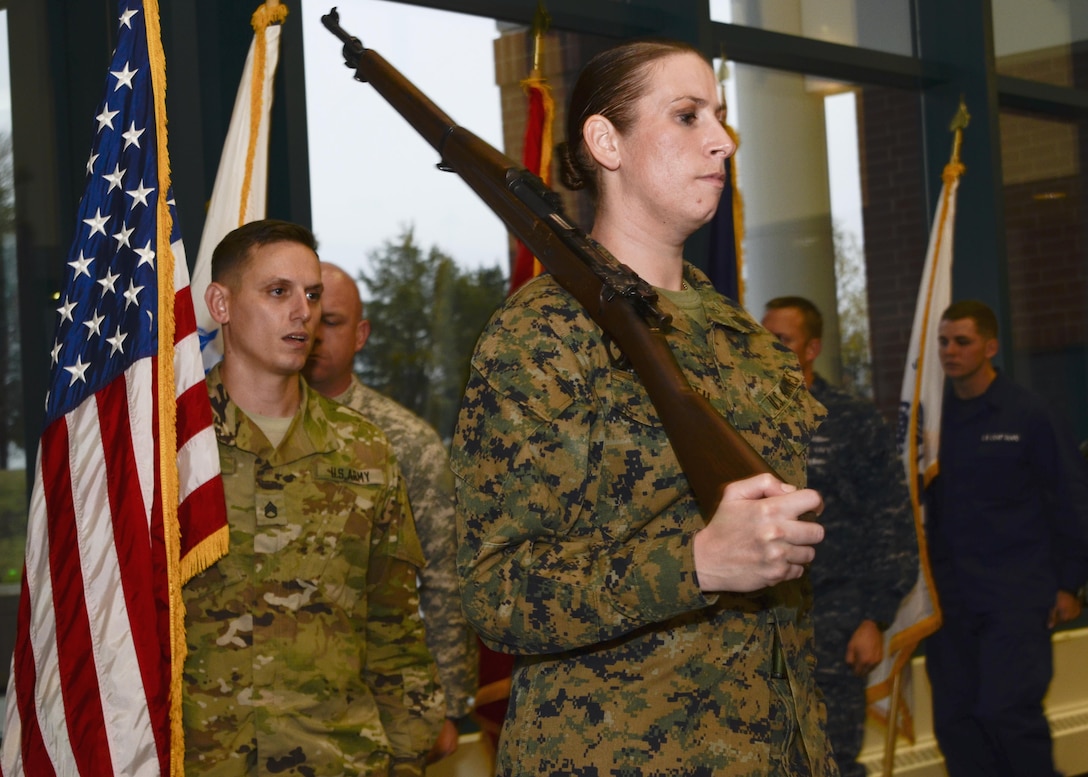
(710, 451)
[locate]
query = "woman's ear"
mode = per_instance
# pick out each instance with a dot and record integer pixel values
(601, 139)
(216, 298)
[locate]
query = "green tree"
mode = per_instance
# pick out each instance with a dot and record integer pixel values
(397, 359)
(852, 293)
(464, 303)
(426, 315)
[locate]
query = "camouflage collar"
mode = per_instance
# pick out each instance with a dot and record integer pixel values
(720, 310)
(307, 435)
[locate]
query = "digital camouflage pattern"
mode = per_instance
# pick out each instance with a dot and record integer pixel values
(575, 527)
(868, 560)
(306, 649)
(425, 465)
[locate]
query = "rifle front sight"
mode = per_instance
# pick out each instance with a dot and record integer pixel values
(353, 47)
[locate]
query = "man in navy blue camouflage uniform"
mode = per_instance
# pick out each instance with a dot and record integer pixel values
(869, 559)
(1007, 530)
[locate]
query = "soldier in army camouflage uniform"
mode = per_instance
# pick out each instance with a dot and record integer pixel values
(648, 641)
(423, 460)
(306, 649)
(869, 560)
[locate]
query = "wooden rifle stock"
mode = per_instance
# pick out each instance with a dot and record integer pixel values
(711, 452)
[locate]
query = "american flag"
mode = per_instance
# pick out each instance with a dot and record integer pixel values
(128, 499)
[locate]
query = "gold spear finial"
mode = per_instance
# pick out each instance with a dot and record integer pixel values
(723, 66)
(962, 117)
(958, 125)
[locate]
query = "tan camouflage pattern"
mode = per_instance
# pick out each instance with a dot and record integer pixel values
(575, 527)
(306, 648)
(425, 465)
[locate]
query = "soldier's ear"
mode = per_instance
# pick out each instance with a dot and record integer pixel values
(217, 298)
(601, 138)
(362, 334)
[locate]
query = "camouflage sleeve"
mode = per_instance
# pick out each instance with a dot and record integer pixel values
(527, 454)
(449, 637)
(891, 548)
(398, 667)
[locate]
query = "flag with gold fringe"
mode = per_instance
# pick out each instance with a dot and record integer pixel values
(536, 155)
(919, 439)
(127, 502)
(725, 264)
(240, 193)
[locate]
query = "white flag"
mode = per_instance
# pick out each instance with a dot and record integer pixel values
(241, 183)
(919, 440)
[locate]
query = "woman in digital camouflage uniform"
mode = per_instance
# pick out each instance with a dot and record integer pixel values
(649, 641)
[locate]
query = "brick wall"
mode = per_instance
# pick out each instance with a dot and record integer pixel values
(896, 229)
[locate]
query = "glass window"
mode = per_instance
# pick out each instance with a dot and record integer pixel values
(1041, 41)
(371, 174)
(12, 454)
(1047, 259)
(821, 236)
(830, 176)
(883, 25)
(13, 494)
(431, 256)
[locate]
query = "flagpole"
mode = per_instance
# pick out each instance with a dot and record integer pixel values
(541, 22)
(893, 727)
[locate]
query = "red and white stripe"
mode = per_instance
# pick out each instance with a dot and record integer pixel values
(90, 680)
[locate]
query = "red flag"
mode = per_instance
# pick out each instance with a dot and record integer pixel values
(536, 157)
(127, 499)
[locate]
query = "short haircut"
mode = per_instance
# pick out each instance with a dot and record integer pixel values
(977, 311)
(234, 251)
(810, 314)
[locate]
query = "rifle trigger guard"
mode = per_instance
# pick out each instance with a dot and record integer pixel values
(616, 357)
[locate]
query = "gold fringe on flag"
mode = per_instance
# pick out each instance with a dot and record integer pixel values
(168, 450)
(271, 12)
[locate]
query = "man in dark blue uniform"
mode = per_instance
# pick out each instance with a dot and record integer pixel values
(869, 558)
(1007, 530)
